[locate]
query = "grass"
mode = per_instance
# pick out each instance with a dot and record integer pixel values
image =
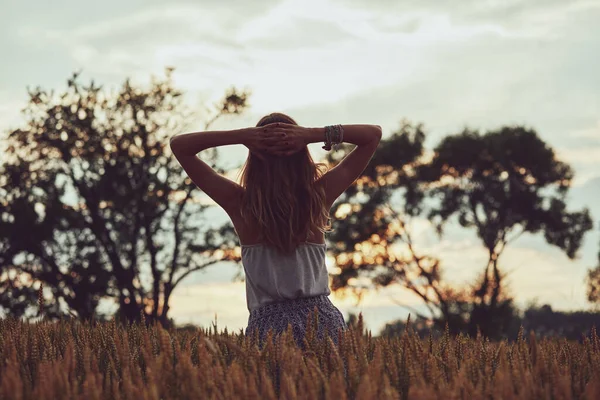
(78, 360)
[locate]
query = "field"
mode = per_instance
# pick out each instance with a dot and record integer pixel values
(75, 360)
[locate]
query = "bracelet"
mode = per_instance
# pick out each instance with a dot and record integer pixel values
(327, 145)
(338, 136)
(334, 134)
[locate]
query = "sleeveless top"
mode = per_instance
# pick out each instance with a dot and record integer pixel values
(273, 277)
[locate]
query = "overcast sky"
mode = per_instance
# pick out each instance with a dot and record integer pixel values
(444, 63)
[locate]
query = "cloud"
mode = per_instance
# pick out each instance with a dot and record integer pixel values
(583, 155)
(330, 54)
(158, 23)
(151, 39)
(583, 147)
(303, 50)
(292, 25)
(592, 132)
(535, 18)
(582, 152)
(10, 109)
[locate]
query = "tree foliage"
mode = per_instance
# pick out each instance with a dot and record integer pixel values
(502, 184)
(94, 205)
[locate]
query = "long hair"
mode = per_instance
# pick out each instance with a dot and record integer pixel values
(280, 194)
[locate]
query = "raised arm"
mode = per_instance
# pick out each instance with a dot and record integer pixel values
(222, 190)
(339, 178)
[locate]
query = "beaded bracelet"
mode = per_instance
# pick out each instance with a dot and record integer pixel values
(327, 145)
(337, 138)
(335, 134)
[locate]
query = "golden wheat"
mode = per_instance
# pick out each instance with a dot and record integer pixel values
(75, 360)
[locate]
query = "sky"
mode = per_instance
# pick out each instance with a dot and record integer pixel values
(447, 64)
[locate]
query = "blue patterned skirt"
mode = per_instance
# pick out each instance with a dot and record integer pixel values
(276, 316)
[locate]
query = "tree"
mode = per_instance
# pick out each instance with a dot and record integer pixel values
(546, 322)
(502, 184)
(593, 284)
(372, 243)
(93, 204)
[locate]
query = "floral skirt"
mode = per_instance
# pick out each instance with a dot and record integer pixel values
(277, 316)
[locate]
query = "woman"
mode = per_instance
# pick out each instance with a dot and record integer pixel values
(280, 211)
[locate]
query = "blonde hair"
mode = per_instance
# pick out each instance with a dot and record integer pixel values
(281, 196)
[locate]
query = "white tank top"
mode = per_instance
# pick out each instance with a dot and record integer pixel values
(272, 276)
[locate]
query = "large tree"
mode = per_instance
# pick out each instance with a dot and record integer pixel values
(507, 176)
(502, 184)
(94, 205)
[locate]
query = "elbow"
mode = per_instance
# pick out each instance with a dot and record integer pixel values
(180, 145)
(174, 142)
(175, 145)
(378, 132)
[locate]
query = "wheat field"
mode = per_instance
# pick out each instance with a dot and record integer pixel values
(108, 360)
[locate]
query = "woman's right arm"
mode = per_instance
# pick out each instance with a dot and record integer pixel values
(355, 134)
(339, 178)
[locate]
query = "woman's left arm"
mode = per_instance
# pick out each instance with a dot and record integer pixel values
(186, 146)
(222, 190)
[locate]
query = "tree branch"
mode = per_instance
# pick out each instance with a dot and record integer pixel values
(515, 237)
(178, 234)
(193, 269)
(124, 280)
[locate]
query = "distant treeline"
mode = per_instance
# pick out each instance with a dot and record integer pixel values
(542, 320)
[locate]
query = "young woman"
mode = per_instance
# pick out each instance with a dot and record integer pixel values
(280, 211)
